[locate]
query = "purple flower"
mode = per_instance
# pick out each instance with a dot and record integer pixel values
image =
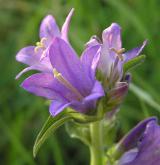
(36, 57)
(142, 144)
(113, 56)
(72, 81)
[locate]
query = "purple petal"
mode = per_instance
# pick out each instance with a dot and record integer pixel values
(112, 36)
(45, 85)
(134, 52)
(148, 148)
(56, 107)
(130, 140)
(106, 61)
(65, 27)
(128, 156)
(40, 84)
(27, 55)
(89, 102)
(90, 58)
(96, 93)
(49, 28)
(65, 60)
(111, 39)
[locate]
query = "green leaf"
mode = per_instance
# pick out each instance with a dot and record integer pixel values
(133, 62)
(49, 127)
(53, 123)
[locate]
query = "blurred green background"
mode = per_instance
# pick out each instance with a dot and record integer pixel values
(22, 114)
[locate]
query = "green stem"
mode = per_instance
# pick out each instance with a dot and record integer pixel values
(96, 148)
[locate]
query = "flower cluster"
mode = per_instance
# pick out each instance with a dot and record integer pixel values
(92, 84)
(70, 81)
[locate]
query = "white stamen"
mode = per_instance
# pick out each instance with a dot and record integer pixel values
(119, 52)
(40, 45)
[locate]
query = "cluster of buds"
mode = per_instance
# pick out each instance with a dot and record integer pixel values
(70, 81)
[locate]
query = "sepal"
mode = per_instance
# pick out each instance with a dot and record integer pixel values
(133, 63)
(79, 131)
(114, 97)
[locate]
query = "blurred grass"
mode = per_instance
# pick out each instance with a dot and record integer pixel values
(22, 114)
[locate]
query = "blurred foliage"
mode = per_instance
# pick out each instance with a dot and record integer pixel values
(22, 114)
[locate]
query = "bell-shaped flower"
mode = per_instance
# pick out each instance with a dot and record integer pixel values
(142, 144)
(72, 81)
(113, 56)
(36, 57)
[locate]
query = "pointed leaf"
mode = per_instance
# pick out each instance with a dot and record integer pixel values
(49, 127)
(134, 62)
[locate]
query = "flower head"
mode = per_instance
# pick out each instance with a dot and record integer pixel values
(112, 55)
(142, 144)
(72, 81)
(36, 57)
